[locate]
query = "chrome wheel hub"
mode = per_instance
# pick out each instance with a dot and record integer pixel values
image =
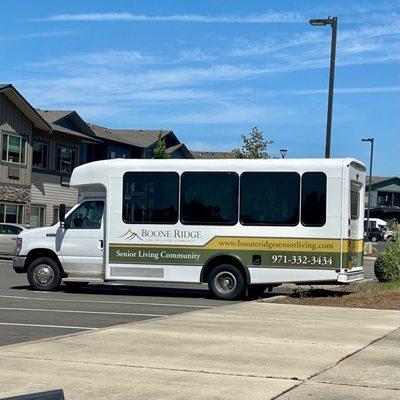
(225, 282)
(43, 274)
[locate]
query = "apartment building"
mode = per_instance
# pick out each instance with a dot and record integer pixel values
(40, 149)
(18, 122)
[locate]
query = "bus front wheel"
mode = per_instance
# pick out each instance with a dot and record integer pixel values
(226, 282)
(44, 274)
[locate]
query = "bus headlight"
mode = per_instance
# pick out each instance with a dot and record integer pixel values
(18, 246)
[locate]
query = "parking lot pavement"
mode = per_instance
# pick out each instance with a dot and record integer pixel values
(250, 350)
(27, 315)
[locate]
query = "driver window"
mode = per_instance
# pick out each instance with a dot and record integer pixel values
(87, 216)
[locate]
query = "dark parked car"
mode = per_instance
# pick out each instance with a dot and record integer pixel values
(375, 234)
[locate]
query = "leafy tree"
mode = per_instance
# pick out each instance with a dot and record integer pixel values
(160, 151)
(254, 145)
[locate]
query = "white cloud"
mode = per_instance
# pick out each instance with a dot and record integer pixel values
(349, 40)
(110, 59)
(195, 54)
(263, 18)
(355, 90)
(34, 35)
(229, 113)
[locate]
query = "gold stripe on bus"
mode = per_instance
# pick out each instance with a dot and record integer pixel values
(274, 244)
(264, 244)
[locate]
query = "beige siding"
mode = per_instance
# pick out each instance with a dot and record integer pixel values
(47, 191)
(14, 121)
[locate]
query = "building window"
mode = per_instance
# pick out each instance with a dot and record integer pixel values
(150, 197)
(209, 198)
(38, 214)
(313, 199)
(14, 149)
(56, 211)
(11, 213)
(39, 155)
(65, 159)
(269, 198)
(396, 199)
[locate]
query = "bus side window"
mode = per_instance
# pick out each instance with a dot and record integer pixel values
(150, 197)
(313, 199)
(209, 198)
(269, 198)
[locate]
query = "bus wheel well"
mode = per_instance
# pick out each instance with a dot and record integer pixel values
(36, 253)
(224, 259)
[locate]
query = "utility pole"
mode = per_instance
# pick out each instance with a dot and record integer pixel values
(371, 140)
(333, 23)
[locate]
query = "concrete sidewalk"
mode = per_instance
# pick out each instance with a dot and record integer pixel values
(250, 350)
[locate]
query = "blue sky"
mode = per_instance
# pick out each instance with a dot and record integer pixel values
(210, 70)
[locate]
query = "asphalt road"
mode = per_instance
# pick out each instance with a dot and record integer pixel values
(28, 315)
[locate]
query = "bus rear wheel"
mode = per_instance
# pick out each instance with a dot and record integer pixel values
(44, 274)
(226, 282)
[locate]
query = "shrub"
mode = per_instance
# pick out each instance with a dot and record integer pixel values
(387, 264)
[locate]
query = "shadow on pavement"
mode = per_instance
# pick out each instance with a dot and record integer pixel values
(125, 290)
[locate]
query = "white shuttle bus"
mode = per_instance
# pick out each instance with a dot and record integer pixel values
(241, 226)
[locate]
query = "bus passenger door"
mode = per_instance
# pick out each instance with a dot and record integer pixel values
(81, 241)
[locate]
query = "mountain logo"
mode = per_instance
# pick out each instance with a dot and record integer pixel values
(130, 235)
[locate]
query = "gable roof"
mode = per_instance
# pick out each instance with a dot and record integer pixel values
(378, 182)
(54, 117)
(20, 101)
(379, 179)
(135, 137)
(180, 147)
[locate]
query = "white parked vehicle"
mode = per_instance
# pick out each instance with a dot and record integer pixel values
(8, 237)
(238, 225)
(381, 224)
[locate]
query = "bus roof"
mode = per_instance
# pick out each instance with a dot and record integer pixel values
(99, 172)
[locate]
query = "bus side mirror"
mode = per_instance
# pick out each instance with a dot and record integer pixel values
(61, 214)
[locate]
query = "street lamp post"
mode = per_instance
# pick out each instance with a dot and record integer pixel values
(333, 23)
(283, 152)
(371, 140)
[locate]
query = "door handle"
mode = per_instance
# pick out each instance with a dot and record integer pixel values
(101, 243)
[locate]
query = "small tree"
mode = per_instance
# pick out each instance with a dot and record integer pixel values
(387, 264)
(254, 145)
(160, 151)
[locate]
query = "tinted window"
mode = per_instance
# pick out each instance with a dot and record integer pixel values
(313, 199)
(87, 216)
(269, 198)
(150, 197)
(10, 230)
(209, 198)
(39, 155)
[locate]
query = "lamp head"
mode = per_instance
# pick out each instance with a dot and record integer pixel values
(319, 22)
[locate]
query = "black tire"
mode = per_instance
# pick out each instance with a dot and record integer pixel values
(226, 282)
(374, 239)
(44, 274)
(256, 291)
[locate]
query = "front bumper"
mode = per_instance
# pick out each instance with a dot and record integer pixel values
(352, 275)
(18, 263)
